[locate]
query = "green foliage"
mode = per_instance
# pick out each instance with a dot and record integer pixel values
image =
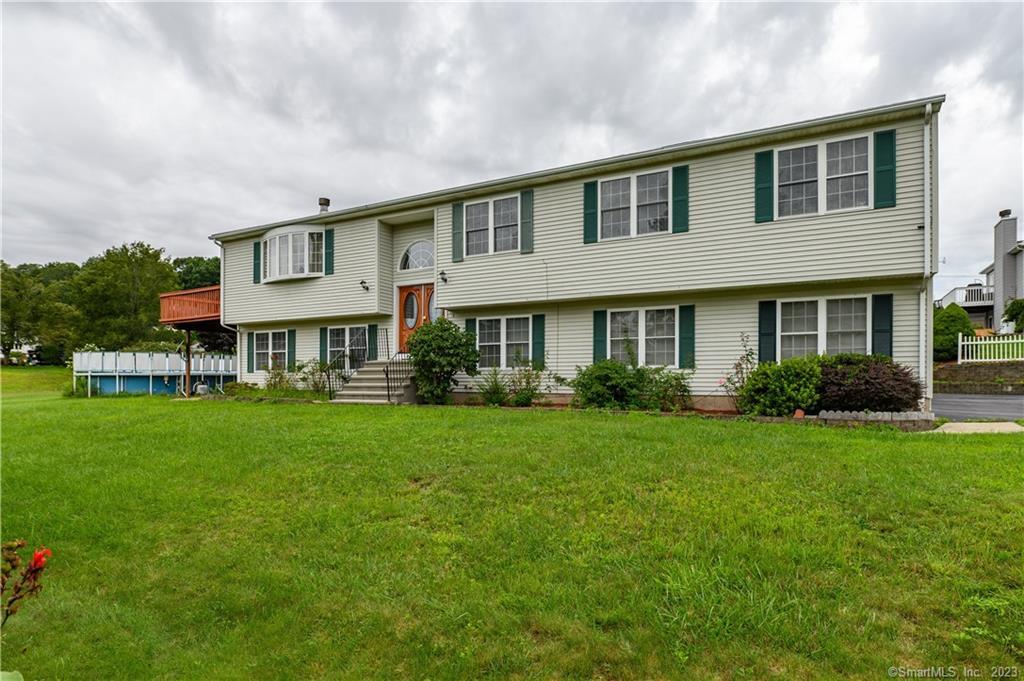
(313, 375)
(155, 346)
(493, 388)
(744, 365)
(439, 350)
(22, 297)
(947, 323)
(1014, 313)
(610, 384)
(851, 382)
(279, 379)
(780, 389)
(197, 271)
(524, 384)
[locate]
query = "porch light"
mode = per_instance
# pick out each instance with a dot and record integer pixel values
(366, 287)
(443, 276)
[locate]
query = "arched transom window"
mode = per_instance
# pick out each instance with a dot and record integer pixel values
(419, 255)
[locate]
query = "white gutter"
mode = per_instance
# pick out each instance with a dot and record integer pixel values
(924, 365)
(579, 169)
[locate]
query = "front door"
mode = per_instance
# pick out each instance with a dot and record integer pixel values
(415, 308)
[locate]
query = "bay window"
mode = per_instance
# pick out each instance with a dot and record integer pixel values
(645, 336)
(293, 254)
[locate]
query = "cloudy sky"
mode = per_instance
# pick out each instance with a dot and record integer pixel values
(166, 122)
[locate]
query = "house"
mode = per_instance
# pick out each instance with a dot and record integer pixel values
(1004, 279)
(812, 237)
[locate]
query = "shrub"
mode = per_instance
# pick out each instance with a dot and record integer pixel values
(313, 375)
(948, 322)
(1014, 313)
(439, 350)
(867, 383)
(278, 378)
(524, 384)
(610, 384)
(780, 389)
(741, 369)
(493, 389)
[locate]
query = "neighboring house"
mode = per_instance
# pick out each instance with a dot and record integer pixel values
(812, 237)
(1004, 279)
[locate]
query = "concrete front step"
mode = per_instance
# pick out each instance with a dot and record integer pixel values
(360, 400)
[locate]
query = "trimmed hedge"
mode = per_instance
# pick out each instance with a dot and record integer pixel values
(780, 389)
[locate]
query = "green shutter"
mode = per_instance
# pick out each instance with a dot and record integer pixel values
(371, 343)
(687, 337)
(257, 263)
(600, 335)
(885, 169)
(881, 324)
(589, 212)
(764, 175)
(323, 343)
(538, 341)
(526, 221)
(250, 351)
(471, 326)
(680, 199)
(329, 251)
(766, 331)
(291, 349)
(457, 248)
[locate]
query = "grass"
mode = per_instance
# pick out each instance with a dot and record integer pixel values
(236, 539)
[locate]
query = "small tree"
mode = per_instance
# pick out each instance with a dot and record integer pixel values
(948, 322)
(439, 350)
(1014, 313)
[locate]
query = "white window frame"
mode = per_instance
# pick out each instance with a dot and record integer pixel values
(433, 250)
(503, 362)
(270, 350)
(633, 204)
(490, 226)
(822, 145)
(348, 340)
(822, 319)
(271, 270)
(641, 330)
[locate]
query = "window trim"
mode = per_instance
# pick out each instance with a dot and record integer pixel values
(503, 362)
(822, 331)
(822, 180)
(641, 344)
(270, 272)
(490, 226)
(433, 256)
(348, 339)
(270, 350)
(633, 234)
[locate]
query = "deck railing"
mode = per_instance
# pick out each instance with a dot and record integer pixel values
(1008, 348)
(969, 295)
(194, 304)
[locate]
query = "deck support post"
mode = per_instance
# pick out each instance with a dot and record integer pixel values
(188, 363)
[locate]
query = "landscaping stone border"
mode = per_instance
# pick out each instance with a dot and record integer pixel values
(910, 421)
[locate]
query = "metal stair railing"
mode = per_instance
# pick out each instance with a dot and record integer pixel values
(398, 369)
(343, 367)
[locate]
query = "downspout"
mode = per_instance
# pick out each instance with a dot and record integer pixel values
(924, 365)
(238, 335)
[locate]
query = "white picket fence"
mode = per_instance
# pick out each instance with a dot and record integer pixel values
(1007, 348)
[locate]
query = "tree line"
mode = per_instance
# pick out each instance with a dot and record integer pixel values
(110, 302)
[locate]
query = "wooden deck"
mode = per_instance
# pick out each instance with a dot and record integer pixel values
(190, 307)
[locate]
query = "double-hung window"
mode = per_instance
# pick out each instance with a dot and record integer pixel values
(503, 342)
(492, 226)
(293, 254)
(352, 339)
(270, 350)
(647, 336)
(824, 326)
(634, 205)
(823, 177)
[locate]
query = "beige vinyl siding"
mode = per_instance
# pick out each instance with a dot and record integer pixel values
(720, 318)
(386, 273)
(307, 339)
(339, 294)
(724, 248)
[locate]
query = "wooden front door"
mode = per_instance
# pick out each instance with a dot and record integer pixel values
(415, 308)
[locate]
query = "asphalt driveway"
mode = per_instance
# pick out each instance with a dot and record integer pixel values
(962, 407)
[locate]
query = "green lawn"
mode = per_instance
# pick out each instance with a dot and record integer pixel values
(218, 539)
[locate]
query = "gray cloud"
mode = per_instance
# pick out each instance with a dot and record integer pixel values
(166, 122)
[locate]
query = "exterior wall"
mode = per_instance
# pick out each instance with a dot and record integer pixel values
(307, 340)
(721, 317)
(385, 272)
(724, 247)
(338, 294)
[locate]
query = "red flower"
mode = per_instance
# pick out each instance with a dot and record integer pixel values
(39, 558)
